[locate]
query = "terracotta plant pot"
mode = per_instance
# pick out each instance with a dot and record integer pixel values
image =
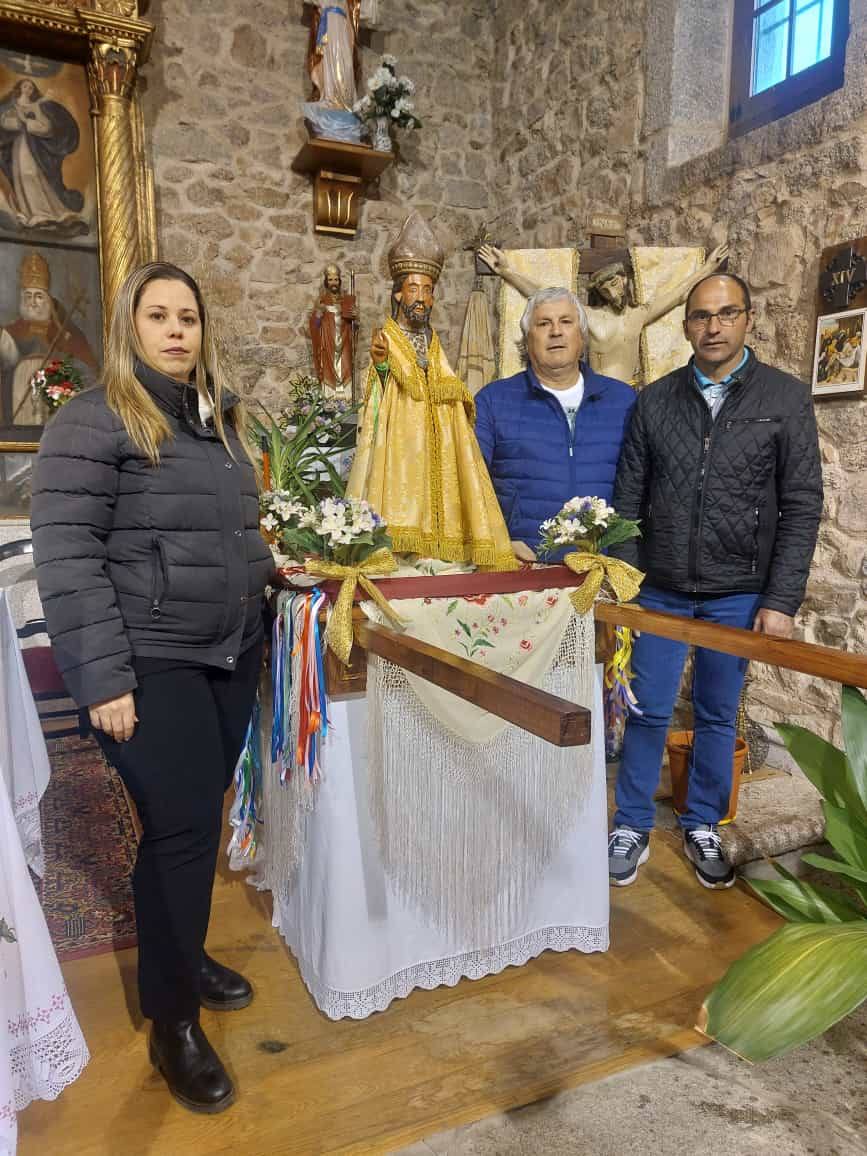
(679, 747)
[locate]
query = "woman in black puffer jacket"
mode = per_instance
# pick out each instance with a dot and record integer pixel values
(151, 571)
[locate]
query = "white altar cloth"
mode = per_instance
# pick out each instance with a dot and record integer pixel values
(41, 1045)
(24, 762)
(359, 946)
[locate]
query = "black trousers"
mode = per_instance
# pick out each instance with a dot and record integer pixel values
(177, 767)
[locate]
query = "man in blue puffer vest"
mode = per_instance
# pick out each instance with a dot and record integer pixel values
(553, 431)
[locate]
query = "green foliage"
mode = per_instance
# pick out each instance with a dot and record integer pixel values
(303, 441)
(789, 989)
(809, 974)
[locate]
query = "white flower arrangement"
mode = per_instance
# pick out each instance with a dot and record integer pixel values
(343, 530)
(586, 524)
(389, 95)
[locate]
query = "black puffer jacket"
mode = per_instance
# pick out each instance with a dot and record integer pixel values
(726, 506)
(136, 560)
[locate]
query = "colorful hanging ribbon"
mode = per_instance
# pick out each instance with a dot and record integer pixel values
(617, 680)
(246, 811)
(312, 698)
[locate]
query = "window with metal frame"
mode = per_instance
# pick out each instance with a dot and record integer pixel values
(785, 54)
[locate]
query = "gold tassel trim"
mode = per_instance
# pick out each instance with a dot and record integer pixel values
(482, 554)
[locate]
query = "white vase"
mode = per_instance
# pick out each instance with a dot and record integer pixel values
(380, 136)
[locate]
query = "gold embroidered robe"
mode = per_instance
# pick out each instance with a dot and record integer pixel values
(419, 465)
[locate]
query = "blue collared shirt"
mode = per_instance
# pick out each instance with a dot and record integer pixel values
(714, 392)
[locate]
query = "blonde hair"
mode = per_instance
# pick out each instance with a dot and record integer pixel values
(145, 423)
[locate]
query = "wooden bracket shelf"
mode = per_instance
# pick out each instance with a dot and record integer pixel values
(340, 175)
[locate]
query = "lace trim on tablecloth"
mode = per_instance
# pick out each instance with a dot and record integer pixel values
(25, 810)
(358, 1005)
(43, 1064)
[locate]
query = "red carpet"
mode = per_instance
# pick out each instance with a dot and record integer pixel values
(90, 847)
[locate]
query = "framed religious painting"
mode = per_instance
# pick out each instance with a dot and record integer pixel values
(841, 351)
(76, 207)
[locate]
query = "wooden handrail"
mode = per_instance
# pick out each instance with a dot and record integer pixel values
(550, 717)
(806, 657)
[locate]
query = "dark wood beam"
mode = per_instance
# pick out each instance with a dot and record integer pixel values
(806, 657)
(563, 723)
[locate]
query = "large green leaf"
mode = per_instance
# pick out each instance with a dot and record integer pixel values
(802, 902)
(855, 739)
(846, 834)
(620, 532)
(835, 866)
(824, 765)
(855, 877)
(789, 989)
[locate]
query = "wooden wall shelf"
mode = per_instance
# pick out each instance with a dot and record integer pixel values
(340, 173)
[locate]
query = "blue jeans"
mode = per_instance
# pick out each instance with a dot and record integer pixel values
(658, 666)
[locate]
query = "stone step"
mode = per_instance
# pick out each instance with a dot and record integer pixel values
(779, 812)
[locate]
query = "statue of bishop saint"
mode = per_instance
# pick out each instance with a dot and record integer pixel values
(418, 462)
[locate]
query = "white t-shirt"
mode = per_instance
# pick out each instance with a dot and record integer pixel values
(570, 398)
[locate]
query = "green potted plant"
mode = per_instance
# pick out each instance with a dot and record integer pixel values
(305, 441)
(812, 972)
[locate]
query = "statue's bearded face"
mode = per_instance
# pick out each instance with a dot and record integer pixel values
(415, 300)
(613, 290)
(332, 279)
(35, 305)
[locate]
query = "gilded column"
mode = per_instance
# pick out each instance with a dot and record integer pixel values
(112, 75)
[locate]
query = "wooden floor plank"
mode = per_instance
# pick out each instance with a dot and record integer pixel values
(308, 1086)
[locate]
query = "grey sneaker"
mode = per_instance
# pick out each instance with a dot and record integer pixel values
(703, 847)
(627, 850)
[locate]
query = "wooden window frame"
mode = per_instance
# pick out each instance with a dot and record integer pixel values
(747, 112)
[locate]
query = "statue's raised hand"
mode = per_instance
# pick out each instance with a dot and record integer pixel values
(719, 254)
(378, 347)
(494, 257)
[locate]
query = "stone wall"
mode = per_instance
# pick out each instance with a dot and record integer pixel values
(221, 104)
(568, 99)
(535, 115)
(780, 195)
(593, 104)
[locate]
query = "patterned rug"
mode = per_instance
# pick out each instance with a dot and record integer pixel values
(90, 848)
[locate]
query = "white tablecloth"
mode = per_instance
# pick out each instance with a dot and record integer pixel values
(23, 758)
(41, 1045)
(359, 945)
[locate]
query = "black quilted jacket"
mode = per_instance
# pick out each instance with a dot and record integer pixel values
(726, 506)
(136, 560)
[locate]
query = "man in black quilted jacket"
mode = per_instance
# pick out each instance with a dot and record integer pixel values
(721, 465)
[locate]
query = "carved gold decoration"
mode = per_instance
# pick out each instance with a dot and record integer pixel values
(127, 8)
(112, 75)
(109, 39)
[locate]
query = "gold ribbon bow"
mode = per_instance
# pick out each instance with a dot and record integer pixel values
(623, 579)
(338, 633)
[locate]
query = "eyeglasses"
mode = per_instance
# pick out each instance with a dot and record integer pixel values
(700, 318)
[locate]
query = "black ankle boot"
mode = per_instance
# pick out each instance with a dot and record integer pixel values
(221, 988)
(180, 1052)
